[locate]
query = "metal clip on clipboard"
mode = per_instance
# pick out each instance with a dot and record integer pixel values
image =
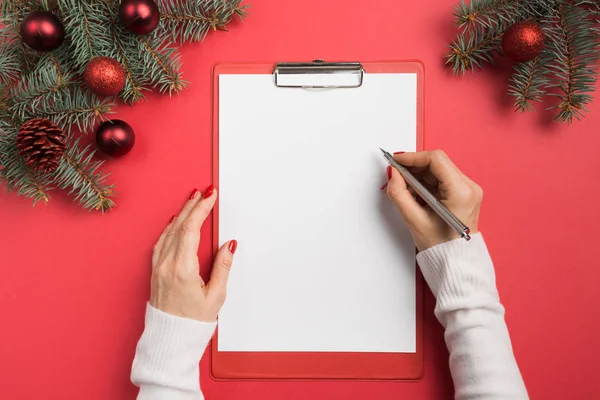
(319, 75)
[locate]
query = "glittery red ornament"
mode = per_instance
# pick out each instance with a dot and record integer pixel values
(115, 137)
(42, 31)
(104, 76)
(139, 16)
(523, 41)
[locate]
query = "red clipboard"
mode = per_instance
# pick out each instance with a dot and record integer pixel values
(316, 365)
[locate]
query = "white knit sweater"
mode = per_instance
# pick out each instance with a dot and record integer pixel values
(460, 275)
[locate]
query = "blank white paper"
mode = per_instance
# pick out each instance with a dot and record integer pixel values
(324, 262)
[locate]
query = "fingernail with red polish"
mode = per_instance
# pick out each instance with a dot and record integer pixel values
(399, 152)
(384, 187)
(194, 194)
(389, 172)
(232, 246)
(209, 191)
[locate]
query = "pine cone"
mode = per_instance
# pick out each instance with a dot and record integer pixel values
(41, 143)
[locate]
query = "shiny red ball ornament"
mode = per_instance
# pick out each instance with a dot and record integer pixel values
(115, 138)
(104, 76)
(139, 16)
(42, 31)
(523, 41)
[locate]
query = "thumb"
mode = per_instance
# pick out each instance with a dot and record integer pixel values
(217, 285)
(398, 192)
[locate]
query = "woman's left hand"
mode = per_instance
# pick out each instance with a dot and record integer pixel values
(177, 287)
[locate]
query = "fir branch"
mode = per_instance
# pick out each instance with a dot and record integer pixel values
(132, 91)
(10, 61)
(80, 175)
(163, 62)
(575, 49)
(487, 13)
(474, 48)
(75, 108)
(135, 82)
(41, 90)
(529, 81)
(190, 21)
(477, 11)
(85, 24)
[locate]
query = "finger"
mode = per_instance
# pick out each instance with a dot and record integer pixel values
(185, 211)
(189, 230)
(438, 163)
(398, 192)
(159, 246)
(195, 197)
(217, 285)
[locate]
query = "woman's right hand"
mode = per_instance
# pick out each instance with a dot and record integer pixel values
(459, 194)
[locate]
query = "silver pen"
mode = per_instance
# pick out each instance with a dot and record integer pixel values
(429, 198)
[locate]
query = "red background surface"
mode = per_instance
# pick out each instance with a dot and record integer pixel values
(73, 285)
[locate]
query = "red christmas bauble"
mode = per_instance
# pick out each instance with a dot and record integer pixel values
(115, 137)
(42, 31)
(139, 16)
(523, 41)
(104, 76)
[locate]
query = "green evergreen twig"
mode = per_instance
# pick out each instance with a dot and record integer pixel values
(39, 91)
(163, 62)
(480, 47)
(529, 81)
(86, 25)
(574, 44)
(479, 12)
(190, 21)
(76, 108)
(81, 177)
(10, 62)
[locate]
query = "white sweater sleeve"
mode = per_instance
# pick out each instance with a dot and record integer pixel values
(166, 363)
(461, 277)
